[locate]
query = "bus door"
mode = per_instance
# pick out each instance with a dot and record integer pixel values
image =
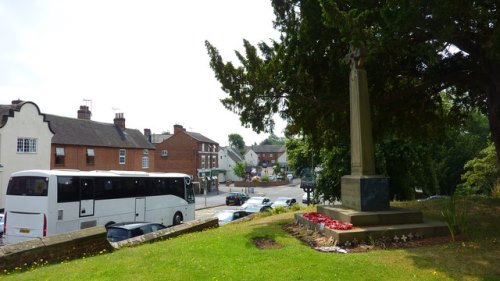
(140, 209)
(86, 197)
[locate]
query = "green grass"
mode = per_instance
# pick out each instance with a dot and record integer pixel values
(227, 253)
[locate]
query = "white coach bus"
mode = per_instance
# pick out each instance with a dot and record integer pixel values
(46, 202)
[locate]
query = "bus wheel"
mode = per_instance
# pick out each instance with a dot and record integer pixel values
(108, 224)
(177, 218)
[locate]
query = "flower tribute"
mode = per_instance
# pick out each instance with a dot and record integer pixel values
(327, 221)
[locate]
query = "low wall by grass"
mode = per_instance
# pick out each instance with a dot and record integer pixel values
(259, 184)
(169, 232)
(55, 248)
(83, 243)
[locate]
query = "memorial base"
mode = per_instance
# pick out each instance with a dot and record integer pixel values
(365, 193)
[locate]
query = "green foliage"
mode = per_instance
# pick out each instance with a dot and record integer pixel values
(277, 169)
(279, 210)
(273, 140)
(239, 169)
(459, 144)
(481, 173)
(264, 178)
(455, 216)
(236, 141)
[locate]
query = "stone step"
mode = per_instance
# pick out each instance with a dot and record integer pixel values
(367, 234)
(393, 216)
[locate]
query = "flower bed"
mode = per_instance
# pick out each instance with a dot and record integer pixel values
(327, 221)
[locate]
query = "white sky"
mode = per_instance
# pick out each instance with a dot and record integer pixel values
(143, 58)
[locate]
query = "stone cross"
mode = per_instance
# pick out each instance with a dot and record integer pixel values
(362, 152)
(362, 190)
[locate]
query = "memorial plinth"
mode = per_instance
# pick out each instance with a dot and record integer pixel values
(363, 190)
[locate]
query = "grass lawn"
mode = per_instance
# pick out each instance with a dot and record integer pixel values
(227, 253)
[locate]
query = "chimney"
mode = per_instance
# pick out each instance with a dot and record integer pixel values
(119, 121)
(84, 112)
(178, 129)
(147, 133)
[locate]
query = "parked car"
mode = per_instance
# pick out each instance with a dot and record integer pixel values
(227, 216)
(311, 197)
(236, 198)
(125, 230)
(284, 201)
(257, 201)
(1, 225)
(433, 197)
(253, 208)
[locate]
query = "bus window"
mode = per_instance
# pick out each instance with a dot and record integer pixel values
(28, 186)
(67, 189)
(86, 189)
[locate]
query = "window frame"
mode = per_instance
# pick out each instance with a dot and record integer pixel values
(122, 156)
(27, 145)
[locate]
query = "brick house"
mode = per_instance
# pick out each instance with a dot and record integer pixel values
(268, 154)
(188, 152)
(86, 145)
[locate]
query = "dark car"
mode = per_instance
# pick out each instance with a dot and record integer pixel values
(125, 230)
(254, 208)
(227, 216)
(236, 198)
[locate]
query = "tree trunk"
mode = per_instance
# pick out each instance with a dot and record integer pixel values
(493, 102)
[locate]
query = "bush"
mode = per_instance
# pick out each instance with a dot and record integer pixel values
(264, 178)
(279, 210)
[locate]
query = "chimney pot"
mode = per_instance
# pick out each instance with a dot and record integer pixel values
(84, 112)
(178, 128)
(119, 120)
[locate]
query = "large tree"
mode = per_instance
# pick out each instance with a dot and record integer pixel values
(416, 50)
(236, 141)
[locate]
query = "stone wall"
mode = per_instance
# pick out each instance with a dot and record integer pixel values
(259, 184)
(83, 243)
(169, 232)
(56, 248)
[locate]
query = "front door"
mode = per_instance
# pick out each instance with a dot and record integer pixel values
(140, 209)
(86, 197)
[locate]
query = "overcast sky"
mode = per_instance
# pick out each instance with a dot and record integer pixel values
(144, 58)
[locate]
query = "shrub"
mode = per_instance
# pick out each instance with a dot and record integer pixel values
(264, 178)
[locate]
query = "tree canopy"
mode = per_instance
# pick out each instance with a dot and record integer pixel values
(416, 51)
(236, 141)
(273, 140)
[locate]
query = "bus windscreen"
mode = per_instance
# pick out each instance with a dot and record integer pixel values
(28, 186)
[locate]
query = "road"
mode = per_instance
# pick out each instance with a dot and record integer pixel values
(207, 205)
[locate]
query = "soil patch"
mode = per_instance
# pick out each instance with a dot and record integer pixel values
(320, 242)
(266, 243)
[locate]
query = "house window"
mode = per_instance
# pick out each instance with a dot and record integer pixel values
(60, 155)
(26, 145)
(202, 147)
(203, 161)
(90, 156)
(214, 160)
(122, 156)
(145, 162)
(164, 153)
